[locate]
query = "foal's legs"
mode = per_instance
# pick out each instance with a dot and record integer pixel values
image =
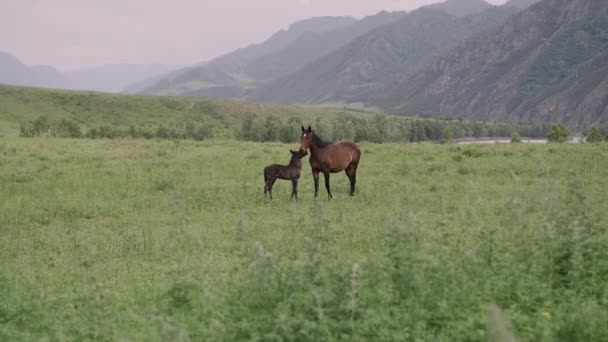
(294, 189)
(315, 176)
(269, 184)
(326, 174)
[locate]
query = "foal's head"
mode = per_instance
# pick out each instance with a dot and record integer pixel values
(296, 156)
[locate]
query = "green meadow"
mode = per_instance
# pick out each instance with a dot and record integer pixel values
(156, 240)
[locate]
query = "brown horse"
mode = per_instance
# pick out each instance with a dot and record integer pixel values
(330, 158)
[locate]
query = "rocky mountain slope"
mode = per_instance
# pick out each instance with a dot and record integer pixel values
(547, 63)
(364, 68)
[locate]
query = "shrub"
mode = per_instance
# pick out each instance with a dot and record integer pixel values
(289, 133)
(249, 130)
(447, 136)
(558, 133)
(41, 126)
(163, 132)
(66, 129)
(594, 136)
(26, 130)
(515, 138)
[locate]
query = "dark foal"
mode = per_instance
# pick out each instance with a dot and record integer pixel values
(288, 172)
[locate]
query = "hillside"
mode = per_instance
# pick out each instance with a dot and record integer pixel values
(92, 109)
(311, 45)
(361, 70)
(121, 115)
(234, 74)
(547, 63)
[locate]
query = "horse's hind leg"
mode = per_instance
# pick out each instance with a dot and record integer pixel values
(326, 174)
(351, 172)
(269, 184)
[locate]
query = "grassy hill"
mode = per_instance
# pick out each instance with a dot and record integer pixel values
(120, 115)
(93, 109)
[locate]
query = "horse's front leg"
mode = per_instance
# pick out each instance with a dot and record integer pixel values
(315, 176)
(326, 174)
(294, 189)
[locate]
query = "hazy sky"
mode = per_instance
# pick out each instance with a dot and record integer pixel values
(70, 34)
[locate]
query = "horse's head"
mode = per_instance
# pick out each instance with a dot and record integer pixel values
(306, 139)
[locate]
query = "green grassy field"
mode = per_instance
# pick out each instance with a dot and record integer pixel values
(160, 240)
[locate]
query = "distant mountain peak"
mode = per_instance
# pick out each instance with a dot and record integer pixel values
(322, 23)
(521, 4)
(461, 8)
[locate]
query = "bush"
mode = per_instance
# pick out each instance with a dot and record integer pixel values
(558, 133)
(26, 130)
(42, 126)
(249, 130)
(66, 129)
(594, 136)
(515, 138)
(447, 136)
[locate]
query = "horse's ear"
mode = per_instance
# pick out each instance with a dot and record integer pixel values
(292, 152)
(303, 130)
(309, 129)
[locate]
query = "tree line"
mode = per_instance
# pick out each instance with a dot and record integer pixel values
(378, 128)
(64, 128)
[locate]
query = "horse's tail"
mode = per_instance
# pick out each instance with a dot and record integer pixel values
(265, 180)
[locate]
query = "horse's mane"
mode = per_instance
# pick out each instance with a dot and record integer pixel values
(293, 160)
(318, 141)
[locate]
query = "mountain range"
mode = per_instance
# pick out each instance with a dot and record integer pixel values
(244, 71)
(107, 78)
(364, 68)
(236, 73)
(12, 71)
